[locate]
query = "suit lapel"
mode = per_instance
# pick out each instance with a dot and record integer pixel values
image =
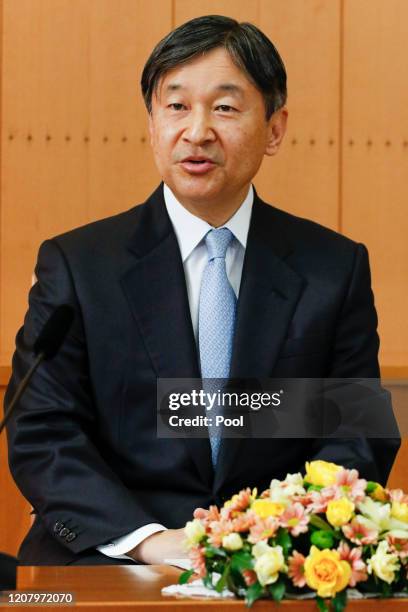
(156, 290)
(268, 296)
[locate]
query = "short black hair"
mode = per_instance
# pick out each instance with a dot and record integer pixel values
(248, 47)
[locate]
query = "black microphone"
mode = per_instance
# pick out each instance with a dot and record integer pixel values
(45, 347)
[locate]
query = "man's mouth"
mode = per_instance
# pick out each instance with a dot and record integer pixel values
(197, 164)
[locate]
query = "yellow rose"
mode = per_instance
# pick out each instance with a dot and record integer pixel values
(399, 511)
(325, 572)
(339, 511)
(321, 473)
(265, 508)
(379, 493)
(232, 541)
(194, 531)
(269, 564)
(383, 564)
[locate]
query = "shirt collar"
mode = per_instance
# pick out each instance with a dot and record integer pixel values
(190, 230)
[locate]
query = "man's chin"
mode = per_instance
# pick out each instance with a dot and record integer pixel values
(196, 191)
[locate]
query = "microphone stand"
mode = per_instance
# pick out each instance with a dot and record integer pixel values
(8, 564)
(20, 390)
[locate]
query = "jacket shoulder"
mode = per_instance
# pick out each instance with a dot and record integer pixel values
(305, 234)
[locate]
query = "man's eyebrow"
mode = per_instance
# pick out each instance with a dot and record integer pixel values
(223, 87)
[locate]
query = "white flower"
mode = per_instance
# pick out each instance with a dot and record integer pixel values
(383, 564)
(377, 512)
(194, 531)
(282, 491)
(260, 548)
(380, 514)
(232, 541)
(269, 563)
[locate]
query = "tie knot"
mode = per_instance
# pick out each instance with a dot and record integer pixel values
(217, 241)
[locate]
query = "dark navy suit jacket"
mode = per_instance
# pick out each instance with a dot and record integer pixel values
(83, 444)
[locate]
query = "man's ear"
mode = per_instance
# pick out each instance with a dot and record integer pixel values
(276, 130)
(150, 126)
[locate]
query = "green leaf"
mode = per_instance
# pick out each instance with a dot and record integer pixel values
(321, 604)
(315, 488)
(340, 601)
(254, 592)
(213, 551)
(185, 576)
(283, 539)
(241, 561)
(386, 589)
(207, 581)
(222, 582)
(278, 590)
(317, 521)
(371, 487)
(322, 539)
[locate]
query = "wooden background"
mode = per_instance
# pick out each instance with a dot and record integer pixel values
(74, 143)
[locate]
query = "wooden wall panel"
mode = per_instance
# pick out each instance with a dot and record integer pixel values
(375, 169)
(304, 176)
(75, 144)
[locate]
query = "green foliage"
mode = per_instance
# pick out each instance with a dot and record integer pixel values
(283, 539)
(322, 539)
(386, 589)
(242, 560)
(321, 604)
(254, 592)
(213, 551)
(320, 523)
(371, 487)
(278, 590)
(185, 576)
(340, 601)
(207, 580)
(222, 582)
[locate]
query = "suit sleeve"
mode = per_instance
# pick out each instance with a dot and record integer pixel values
(53, 435)
(355, 355)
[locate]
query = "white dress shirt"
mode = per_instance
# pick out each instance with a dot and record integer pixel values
(190, 232)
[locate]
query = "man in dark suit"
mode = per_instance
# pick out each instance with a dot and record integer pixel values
(297, 301)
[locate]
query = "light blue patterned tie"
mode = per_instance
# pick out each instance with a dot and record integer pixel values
(216, 320)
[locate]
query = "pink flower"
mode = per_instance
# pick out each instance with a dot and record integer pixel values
(244, 522)
(353, 486)
(249, 576)
(196, 554)
(398, 546)
(316, 501)
(296, 569)
(359, 532)
(262, 529)
(207, 516)
(218, 529)
(398, 495)
(295, 519)
(241, 501)
(353, 557)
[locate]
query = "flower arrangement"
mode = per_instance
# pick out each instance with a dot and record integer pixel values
(322, 532)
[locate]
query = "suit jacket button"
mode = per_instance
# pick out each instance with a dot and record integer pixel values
(71, 536)
(64, 531)
(58, 526)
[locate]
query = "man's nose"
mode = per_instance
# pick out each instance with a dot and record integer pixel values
(199, 128)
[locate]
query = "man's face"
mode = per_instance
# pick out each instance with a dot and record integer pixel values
(209, 132)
